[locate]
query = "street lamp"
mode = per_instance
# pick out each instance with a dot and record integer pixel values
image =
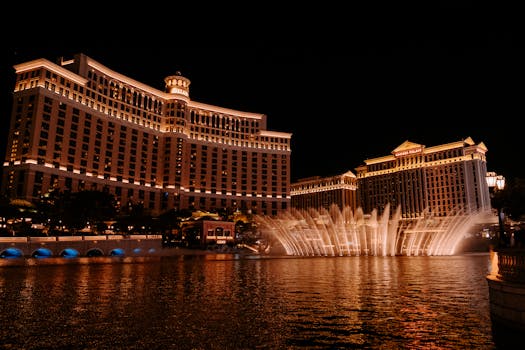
(500, 182)
(491, 179)
(496, 183)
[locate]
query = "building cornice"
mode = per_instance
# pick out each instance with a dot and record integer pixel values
(43, 63)
(136, 84)
(279, 134)
(232, 112)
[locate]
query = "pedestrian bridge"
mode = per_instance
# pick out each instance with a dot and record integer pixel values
(80, 246)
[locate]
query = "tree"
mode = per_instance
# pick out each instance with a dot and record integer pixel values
(75, 209)
(512, 199)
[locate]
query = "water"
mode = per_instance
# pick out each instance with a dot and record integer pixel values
(337, 232)
(228, 301)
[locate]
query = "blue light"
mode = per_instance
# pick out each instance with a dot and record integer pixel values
(70, 253)
(42, 253)
(117, 252)
(12, 253)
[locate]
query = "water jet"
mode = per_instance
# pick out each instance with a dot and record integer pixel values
(335, 232)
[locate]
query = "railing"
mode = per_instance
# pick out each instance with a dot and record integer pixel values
(511, 265)
(75, 238)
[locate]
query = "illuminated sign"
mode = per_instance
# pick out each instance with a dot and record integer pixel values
(174, 90)
(408, 151)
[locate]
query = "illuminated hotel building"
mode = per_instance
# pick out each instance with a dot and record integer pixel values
(426, 180)
(322, 192)
(77, 125)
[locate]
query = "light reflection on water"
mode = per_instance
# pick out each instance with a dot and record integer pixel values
(233, 302)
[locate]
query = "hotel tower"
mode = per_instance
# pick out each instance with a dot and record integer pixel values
(78, 125)
(423, 181)
(323, 192)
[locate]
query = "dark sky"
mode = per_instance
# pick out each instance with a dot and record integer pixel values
(345, 101)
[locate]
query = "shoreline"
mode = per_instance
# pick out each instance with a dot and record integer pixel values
(156, 255)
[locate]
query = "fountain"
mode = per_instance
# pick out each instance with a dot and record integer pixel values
(336, 232)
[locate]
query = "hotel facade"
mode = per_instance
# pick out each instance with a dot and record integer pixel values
(421, 181)
(324, 192)
(78, 125)
(426, 181)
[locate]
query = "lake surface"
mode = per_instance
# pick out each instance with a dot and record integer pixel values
(228, 301)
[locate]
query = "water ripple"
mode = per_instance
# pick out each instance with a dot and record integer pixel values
(198, 302)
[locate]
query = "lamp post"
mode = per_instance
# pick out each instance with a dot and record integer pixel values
(497, 183)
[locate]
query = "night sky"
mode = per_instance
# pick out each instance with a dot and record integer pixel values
(344, 102)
